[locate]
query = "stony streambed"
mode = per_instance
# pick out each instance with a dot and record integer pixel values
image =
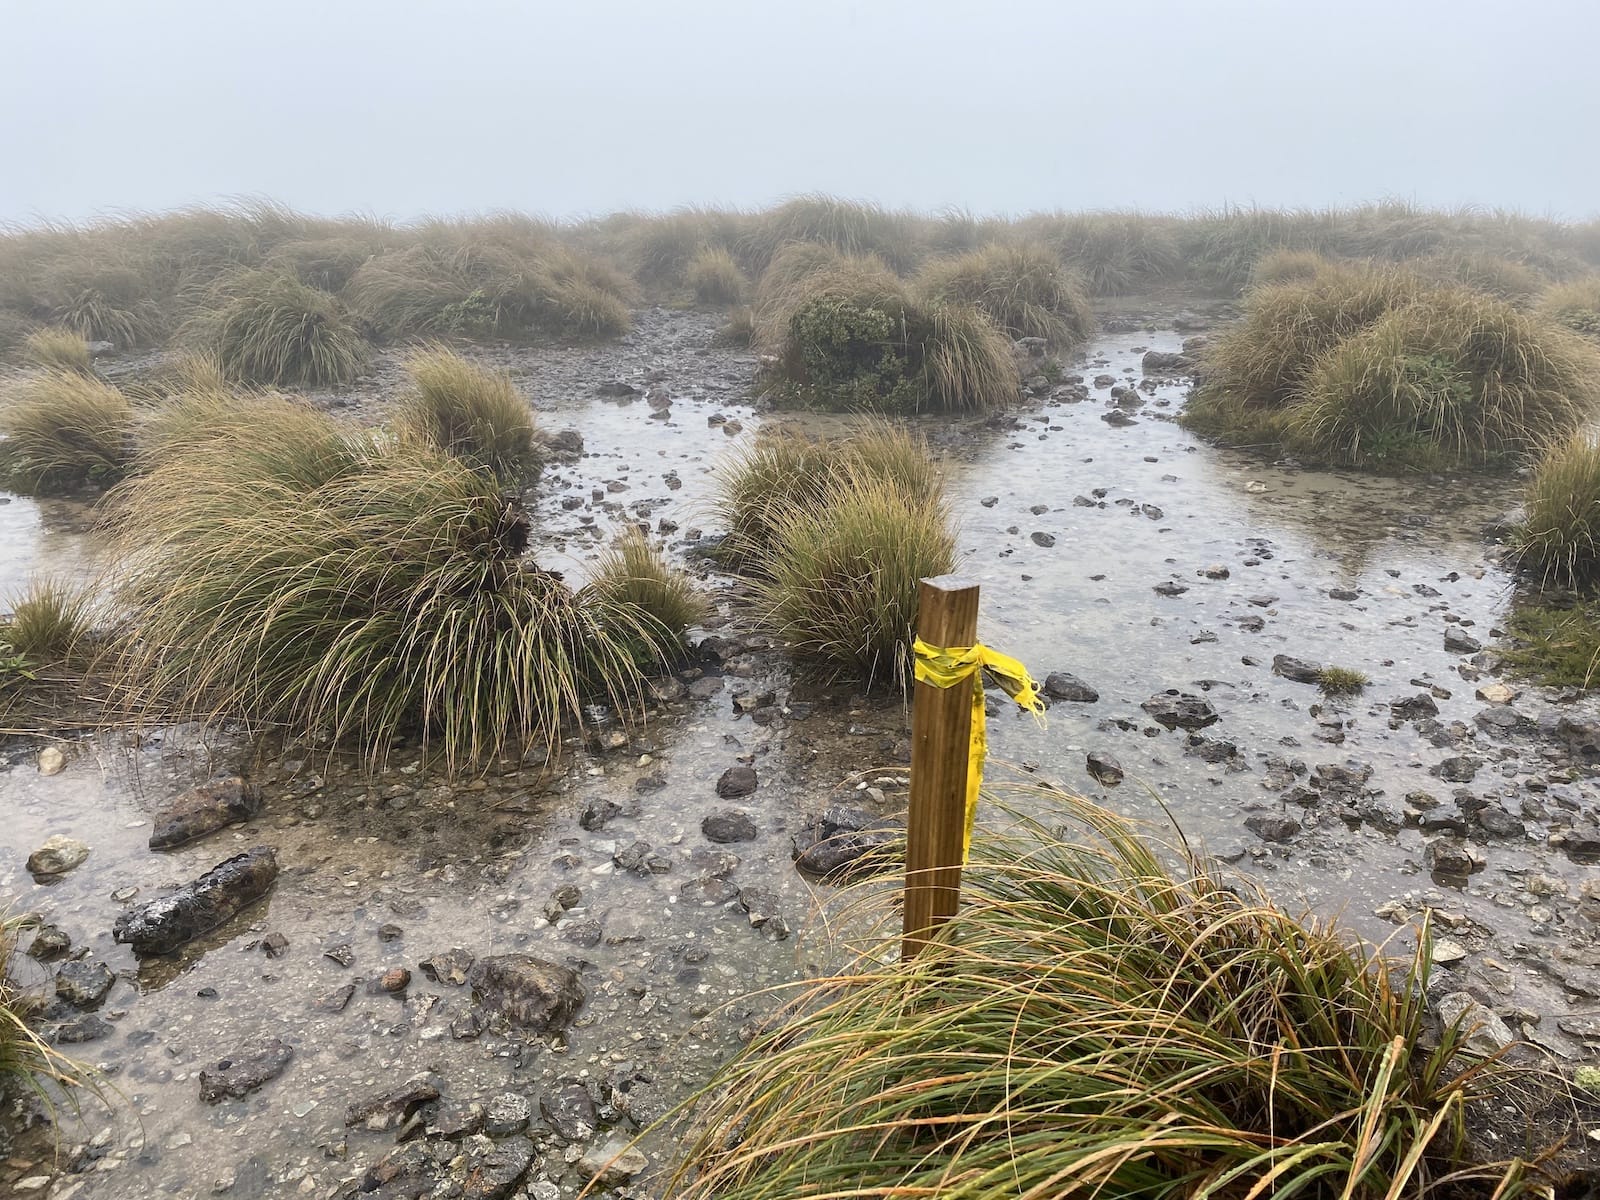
(1120, 551)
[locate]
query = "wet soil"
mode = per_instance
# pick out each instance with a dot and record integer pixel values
(1071, 523)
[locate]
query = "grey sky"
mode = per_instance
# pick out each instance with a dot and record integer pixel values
(402, 106)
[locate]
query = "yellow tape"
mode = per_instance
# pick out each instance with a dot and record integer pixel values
(944, 667)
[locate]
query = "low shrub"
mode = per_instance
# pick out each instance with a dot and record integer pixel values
(714, 277)
(633, 572)
(1575, 305)
(64, 431)
(1021, 287)
(1451, 378)
(359, 589)
(839, 582)
(785, 471)
(58, 350)
(1559, 538)
(49, 621)
(466, 410)
(850, 334)
(272, 329)
(1095, 1023)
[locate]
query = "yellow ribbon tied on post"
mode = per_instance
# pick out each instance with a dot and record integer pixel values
(947, 666)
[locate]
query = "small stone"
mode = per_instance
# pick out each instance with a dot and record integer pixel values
(391, 982)
(52, 761)
(1458, 642)
(728, 825)
(1272, 827)
(57, 855)
(1104, 768)
(389, 932)
(612, 1163)
(569, 1110)
(85, 983)
(450, 967)
(1296, 669)
(1170, 588)
(341, 953)
(336, 1000)
(1447, 952)
(1060, 685)
(1497, 693)
(240, 1074)
(1487, 1034)
(736, 783)
(1046, 540)
(275, 945)
(506, 1114)
(1446, 856)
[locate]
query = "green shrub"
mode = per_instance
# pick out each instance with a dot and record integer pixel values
(360, 589)
(1452, 378)
(714, 277)
(849, 334)
(470, 412)
(1575, 305)
(839, 583)
(1095, 1023)
(58, 350)
(65, 431)
(633, 572)
(48, 622)
(1022, 288)
(272, 329)
(784, 471)
(1559, 538)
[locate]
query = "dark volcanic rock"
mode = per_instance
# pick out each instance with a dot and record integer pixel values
(389, 1110)
(527, 991)
(1459, 769)
(842, 841)
(1104, 767)
(1296, 669)
(84, 984)
(450, 967)
(1163, 362)
(1461, 643)
(240, 1074)
(167, 922)
(1180, 710)
(1059, 685)
(1272, 827)
(1414, 708)
(737, 782)
(569, 1110)
(1446, 856)
(596, 812)
(728, 825)
(205, 809)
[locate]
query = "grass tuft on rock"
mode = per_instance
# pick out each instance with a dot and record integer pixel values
(469, 411)
(1341, 681)
(360, 589)
(634, 572)
(272, 329)
(65, 431)
(1095, 1023)
(58, 350)
(1023, 288)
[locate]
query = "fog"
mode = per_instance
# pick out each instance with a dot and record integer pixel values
(401, 107)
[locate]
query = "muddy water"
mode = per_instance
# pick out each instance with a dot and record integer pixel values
(403, 866)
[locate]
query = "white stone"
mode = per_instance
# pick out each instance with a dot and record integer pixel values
(51, 760)
(1446, 952)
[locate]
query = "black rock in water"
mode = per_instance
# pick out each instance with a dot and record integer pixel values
(240, 1074)
(167, 922)
(205, 809)
(529, 992)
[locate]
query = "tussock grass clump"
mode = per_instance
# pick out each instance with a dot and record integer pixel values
(1373, 365)
(101, 301)
(849, 333)
(1114, 253)
(740, 328)
(852, 227)
(1503, 278)
(361, 589)
(1341, 681)
(1451, 378)
(272, 329)
(785, 471)
(64, 431)
(839, 583)
(331, 261)
(1094, 1024)
(1287, 266)
(662, 247)
(58, 350)
(1559, 538)
(634, 572)
(1022, 288)
(468, 411)
(714, 277)
(49, 621)
(1575, 305)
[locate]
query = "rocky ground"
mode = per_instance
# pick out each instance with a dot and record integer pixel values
(485, 988)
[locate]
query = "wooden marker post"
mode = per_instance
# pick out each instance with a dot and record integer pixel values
(941, 736)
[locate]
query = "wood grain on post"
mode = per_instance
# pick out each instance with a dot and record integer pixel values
(941, 735)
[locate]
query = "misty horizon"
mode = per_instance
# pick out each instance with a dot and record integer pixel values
(405, 110)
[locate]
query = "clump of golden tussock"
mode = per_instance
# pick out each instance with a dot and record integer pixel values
(1097, 1022)
(1021, 287)
(347, 586)
(64, 431)
(1559, 538)
(58, 350)
(1287, 266)
(1574, 306)
(632, 571)
(466, 410)
(714, 277)
(851, 227)
(272, 329)
(849, 333)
